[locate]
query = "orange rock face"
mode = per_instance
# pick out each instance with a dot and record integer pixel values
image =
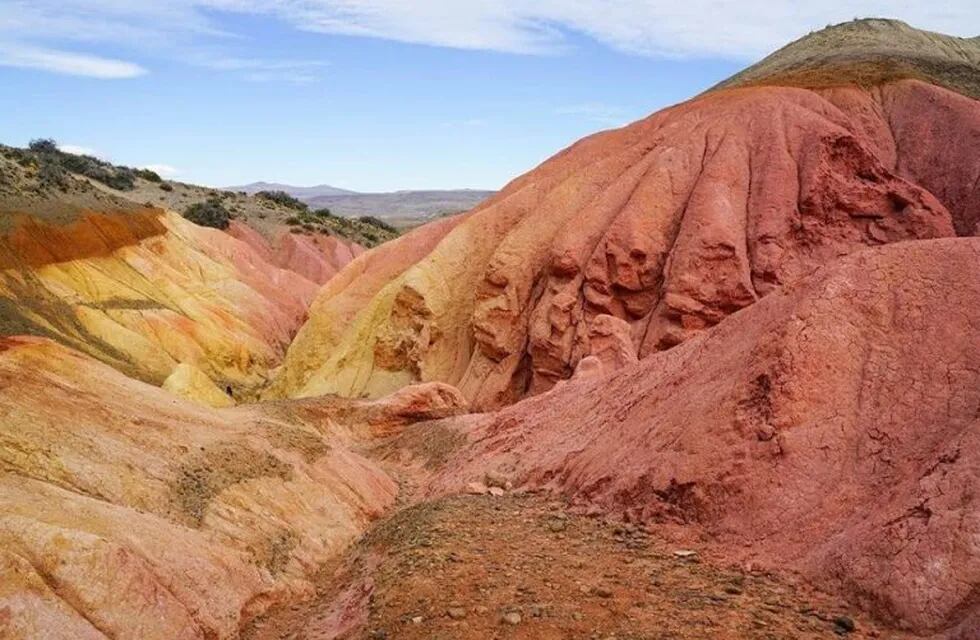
(669, 225)
(832, 428)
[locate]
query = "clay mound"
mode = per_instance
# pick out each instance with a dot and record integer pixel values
(831, 428)
(128, 513)
(669, 224)
(869, 52)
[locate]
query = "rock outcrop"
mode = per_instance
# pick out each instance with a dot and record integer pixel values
(669, 225)
(126, 512)
(831, 428)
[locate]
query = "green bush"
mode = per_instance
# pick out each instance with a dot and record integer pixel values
(293, 221)
(210, 213)
(282, 198)
(166, 186)
(324, 213)
(43, 145)
(148, 174)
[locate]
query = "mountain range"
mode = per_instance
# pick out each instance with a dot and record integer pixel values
(399, 208)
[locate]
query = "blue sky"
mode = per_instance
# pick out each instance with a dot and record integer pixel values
(373, 94)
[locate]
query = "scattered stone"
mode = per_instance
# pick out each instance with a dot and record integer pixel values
(557, 525)
(844, 624)
(733, 590)
(417, 620)
(602, 592)
(496, 491)
(512, 618)
(476, 488)
(686, 554)
(456, 613)
(496, 479)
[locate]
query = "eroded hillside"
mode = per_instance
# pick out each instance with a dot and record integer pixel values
(713, 374)
(208, 312)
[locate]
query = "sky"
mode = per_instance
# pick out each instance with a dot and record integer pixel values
(378, 95)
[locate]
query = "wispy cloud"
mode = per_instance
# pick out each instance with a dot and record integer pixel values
(190, 30)
(67, 62)
(259, 70)
(644, 27)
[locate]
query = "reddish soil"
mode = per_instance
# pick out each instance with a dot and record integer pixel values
(521, 566)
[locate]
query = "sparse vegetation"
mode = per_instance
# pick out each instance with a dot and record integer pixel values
(148, 174)
(210, 213)
(282, 198)
(377, 222)
(64, 184)
(55, 163)
(43, 145)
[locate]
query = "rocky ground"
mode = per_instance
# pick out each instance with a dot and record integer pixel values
(522, 566)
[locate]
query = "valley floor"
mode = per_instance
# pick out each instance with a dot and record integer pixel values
(522, 566)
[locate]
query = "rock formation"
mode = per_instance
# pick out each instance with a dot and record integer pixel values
(669, 224)
(750, 321)
(128, 513)
(832, 428)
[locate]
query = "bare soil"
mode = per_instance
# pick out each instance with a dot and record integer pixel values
(522, 566)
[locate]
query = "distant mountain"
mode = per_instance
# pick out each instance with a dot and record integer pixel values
(401, 208)
(302, 193)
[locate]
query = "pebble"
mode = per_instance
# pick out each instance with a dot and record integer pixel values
(512, 617)
(417, 620)
(476, 488)
(844, 624)
(456, 613)
(495, 479)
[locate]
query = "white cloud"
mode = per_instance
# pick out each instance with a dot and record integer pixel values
(192, 30)
(163, 170)
(258, 70)
(67, 62)
(647, 27)
(79, 150)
